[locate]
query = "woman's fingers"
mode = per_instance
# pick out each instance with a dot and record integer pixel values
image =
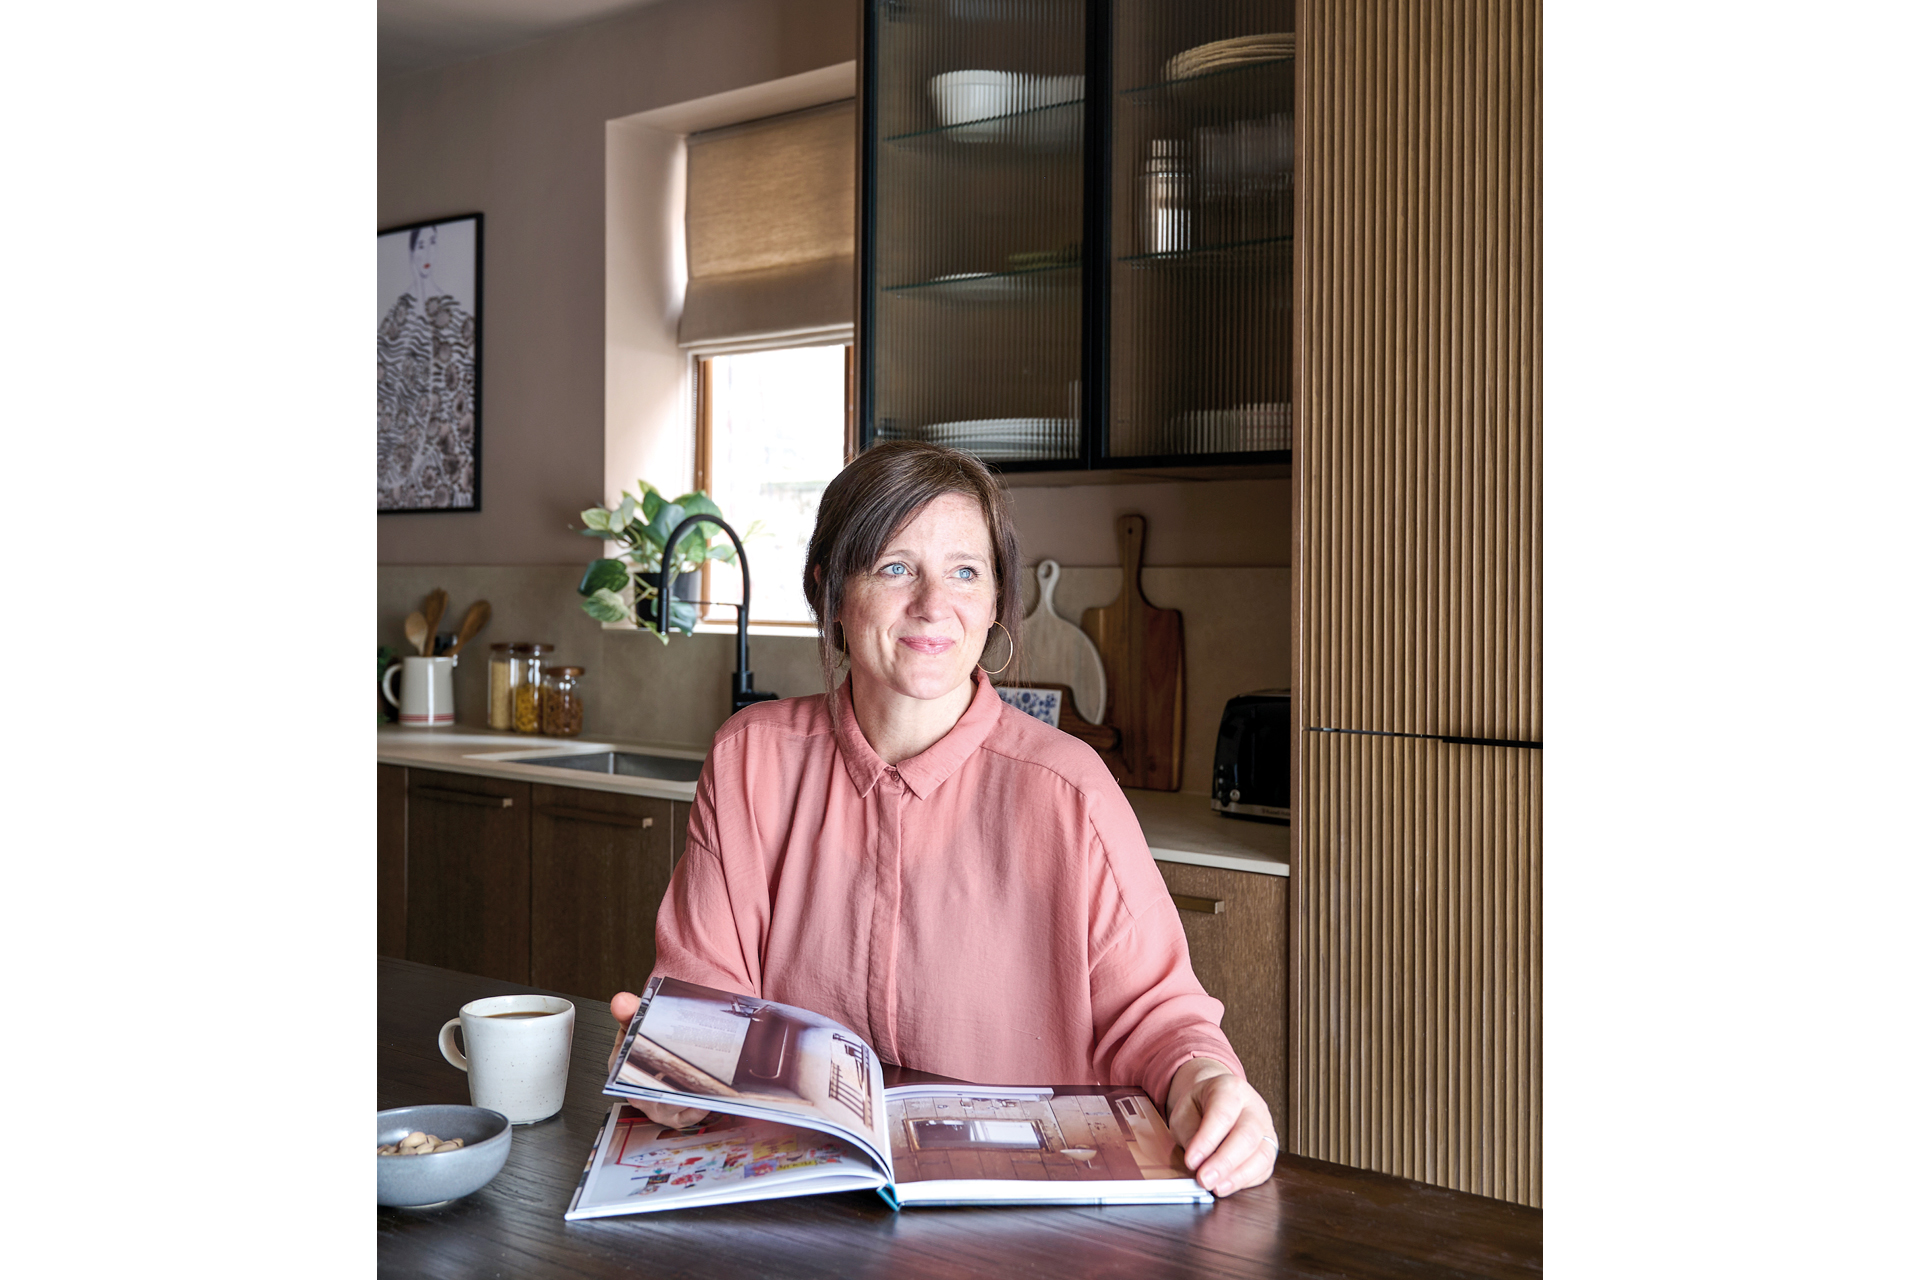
(1232, 1148)
(1221, 1099)
(670, 1116)
(623, 1006)
(1244, 1159)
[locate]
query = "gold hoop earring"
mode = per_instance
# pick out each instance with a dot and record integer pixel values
(1009, 662)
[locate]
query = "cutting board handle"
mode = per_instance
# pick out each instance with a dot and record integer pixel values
(1133, 541)
(1048, 571)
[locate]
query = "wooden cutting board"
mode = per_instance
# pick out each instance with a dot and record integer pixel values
(1144, 652)
(1057, 652)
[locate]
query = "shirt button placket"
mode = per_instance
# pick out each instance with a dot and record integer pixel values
(883, 964)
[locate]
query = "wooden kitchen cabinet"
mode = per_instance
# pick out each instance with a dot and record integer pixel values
(600, 864)
(1236, 925)
(467, 877)
(390, 862)
(556, 887)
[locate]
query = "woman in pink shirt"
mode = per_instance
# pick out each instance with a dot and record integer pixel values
(964, 886)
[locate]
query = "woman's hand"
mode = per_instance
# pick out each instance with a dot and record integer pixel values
(1224, 1124)
(625, 1005)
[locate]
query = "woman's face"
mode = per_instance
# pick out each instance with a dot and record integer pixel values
(423, 252)
(917, 618)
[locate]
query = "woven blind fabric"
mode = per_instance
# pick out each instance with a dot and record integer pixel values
(770, 227)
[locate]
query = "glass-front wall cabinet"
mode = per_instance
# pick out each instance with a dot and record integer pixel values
(1077, 232)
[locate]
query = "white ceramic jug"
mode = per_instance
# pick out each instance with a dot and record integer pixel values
(426, 691)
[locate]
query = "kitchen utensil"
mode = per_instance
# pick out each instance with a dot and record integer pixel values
(1053, 649)
(518, 1048)
(479, 613)
(435, 605)
(426, 691)
(444, 1175)
(1144, 652)
(417, 634)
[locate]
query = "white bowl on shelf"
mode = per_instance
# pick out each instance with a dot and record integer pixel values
(964, 97)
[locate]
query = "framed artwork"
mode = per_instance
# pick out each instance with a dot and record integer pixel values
(429, 278)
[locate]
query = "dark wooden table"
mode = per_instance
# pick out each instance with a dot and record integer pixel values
(1312, 1219)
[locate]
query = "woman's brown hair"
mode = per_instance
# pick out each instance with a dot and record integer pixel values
(877, 494)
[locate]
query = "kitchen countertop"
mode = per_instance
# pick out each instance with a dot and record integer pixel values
(1178, 827)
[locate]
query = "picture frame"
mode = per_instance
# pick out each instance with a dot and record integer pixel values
(429, 279)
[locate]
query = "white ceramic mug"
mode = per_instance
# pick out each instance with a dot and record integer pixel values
(518, 1048)
(426, 691)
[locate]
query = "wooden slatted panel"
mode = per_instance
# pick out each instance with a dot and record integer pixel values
(1417, 554)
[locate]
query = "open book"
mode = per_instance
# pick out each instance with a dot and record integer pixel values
(797, 1107)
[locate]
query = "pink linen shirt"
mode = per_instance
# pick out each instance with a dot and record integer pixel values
(986, 910)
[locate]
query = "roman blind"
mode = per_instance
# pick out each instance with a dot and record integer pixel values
(770, 226)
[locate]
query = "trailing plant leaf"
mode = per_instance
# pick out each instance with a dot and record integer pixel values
(604, 606)
(594, 518)
(663, 524)
(608, 574)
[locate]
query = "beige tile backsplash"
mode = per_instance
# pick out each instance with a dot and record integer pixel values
(1236, 622)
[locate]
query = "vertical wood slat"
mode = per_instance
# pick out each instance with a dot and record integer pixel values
(1416, 959)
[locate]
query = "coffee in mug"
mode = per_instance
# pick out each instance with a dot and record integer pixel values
(517, 1052)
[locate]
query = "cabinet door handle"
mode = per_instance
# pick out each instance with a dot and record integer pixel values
(1205, 906)
(465, 797)
(591, 815)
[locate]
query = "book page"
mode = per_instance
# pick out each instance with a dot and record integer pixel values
(1082, 1134)
(696, 1046)
(638, 1166)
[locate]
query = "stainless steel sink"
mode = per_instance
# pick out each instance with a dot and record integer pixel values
(625, 764)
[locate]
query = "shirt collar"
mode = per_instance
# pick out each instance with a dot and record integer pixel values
(926, 771)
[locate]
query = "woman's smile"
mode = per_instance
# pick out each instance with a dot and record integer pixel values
(927, 644)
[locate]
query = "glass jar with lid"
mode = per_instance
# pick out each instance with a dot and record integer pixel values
(500, 687)
(529, 660)
(561, 710)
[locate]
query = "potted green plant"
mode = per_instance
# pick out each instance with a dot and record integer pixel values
(642, 524)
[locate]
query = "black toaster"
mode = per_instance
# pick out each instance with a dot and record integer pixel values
(1251, 762)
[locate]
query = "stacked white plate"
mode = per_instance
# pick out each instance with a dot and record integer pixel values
(1008, 439)
(1222, 55)
(1239, 429)
(976, 106)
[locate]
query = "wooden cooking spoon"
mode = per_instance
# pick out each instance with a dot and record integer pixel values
(435, 605)
(417, 634)
(478, 614)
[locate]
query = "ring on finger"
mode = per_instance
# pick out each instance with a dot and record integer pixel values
(1275, 1142)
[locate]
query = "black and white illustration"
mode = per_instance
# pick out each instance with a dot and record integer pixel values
(429, 313)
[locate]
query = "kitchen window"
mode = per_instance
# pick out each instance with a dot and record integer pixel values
(768, 321)
(771, 433)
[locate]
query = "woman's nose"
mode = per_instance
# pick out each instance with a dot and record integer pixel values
(930, 597)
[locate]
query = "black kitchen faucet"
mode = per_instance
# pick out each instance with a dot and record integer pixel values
(744, 694)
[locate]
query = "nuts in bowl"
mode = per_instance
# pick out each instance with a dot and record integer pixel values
(429, 1155)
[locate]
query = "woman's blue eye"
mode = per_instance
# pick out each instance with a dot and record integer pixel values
(889, 569)
(966, 574)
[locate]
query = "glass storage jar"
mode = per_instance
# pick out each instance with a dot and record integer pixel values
(561, 710)
(528, 662)
(500, 687)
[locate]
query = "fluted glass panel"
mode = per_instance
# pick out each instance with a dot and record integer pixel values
(977, 197)
(1202, 241)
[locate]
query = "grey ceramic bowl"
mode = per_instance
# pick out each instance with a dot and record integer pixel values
(446, 1175)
